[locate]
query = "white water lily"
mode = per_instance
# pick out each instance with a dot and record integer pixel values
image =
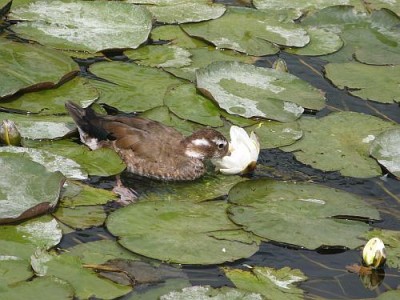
(244, 150)
(374, 253)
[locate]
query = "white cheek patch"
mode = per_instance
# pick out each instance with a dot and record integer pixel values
(91, 142)
(201, 142)
(219, 141)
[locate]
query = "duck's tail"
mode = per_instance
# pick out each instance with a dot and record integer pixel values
(90, 124)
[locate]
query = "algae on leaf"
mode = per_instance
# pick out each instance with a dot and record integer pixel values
(300, 214)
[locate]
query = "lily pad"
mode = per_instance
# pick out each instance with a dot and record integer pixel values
(78, 194)
(83, 25)
(299, 213)
(131, 87)
(389, 295)
(81, 217)
(160, 289)
(186, 103)
(255, 32)
(272, 134)
(207, 188)
(391, 239)
(176, 36)
(50, 161)
(40, 288)
(386, 149)
(251, 91)
(182, 11)
(377, 83)
(31, 66)
(268, 282)
(13, 270)
(207, 292)
(160, 56)
(48, 102)
(27, 189)
(41, 127)
(340, 142)
(191, 230)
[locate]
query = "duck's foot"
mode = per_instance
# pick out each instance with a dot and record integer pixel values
(127, 195)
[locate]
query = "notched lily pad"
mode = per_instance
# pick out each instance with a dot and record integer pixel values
(83, 25)
(27, 189)
(250, 91)
(180, 232)
(299, 213)
(26, 66)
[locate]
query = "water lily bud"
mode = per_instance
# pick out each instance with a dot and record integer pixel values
(280, 65)
(9, 133)
(374, 253)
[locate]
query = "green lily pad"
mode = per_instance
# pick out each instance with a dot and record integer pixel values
(14, 270)
(182, 11)
(31, 66)
(377, 83)
(160, 289)
(191, 230)
(340, 142)
(160, 56)
(83, 25)
(207, 292)
(100, 162)
(389, 295)
(255, 32)
(78, 194)
(27, 189)
(48, 288)
(50, 161)
(41, 127)
(176, 36)
(99, 252)
(323, 42)
(186, 103)
(207, 188)
(4, 7)
(132, 87)
(251, 91)
(386, 149)
(299, 213)
(391, 239)
(269, 282)
(202, 57)
(84, 281)
(272, 134)
(49, 102)
(81, 217)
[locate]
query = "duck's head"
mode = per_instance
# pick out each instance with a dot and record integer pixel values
(206, 143)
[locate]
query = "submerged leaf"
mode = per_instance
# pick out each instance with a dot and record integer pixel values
(81, 217)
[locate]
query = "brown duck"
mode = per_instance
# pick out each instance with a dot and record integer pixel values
(148, 147)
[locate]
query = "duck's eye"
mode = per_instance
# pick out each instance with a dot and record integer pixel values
(220, 146)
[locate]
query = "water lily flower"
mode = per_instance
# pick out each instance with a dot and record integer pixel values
(374, 253)
(9, 133)
(244, 150)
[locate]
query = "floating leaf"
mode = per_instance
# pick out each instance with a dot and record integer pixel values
(48, 288)
(386, 149)
(176, 36)
(81, 217)
(340, 142)
(50, 161)
(299, 213)
(186, 103)
(268, 282)
(83, 25)
(13, 270)
(377, 83)
(31, 66)
(389, 295)
(52, 101)
(27, 189)
(207, 292)
(254, 32)
(160, 289)
(160, 56)
(78, 194)
(190, 228)
(391, 239)
(132, 87)
(251, 91)
(41, 127)
(182, 11)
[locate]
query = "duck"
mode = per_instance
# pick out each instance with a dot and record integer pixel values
(148, 147)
